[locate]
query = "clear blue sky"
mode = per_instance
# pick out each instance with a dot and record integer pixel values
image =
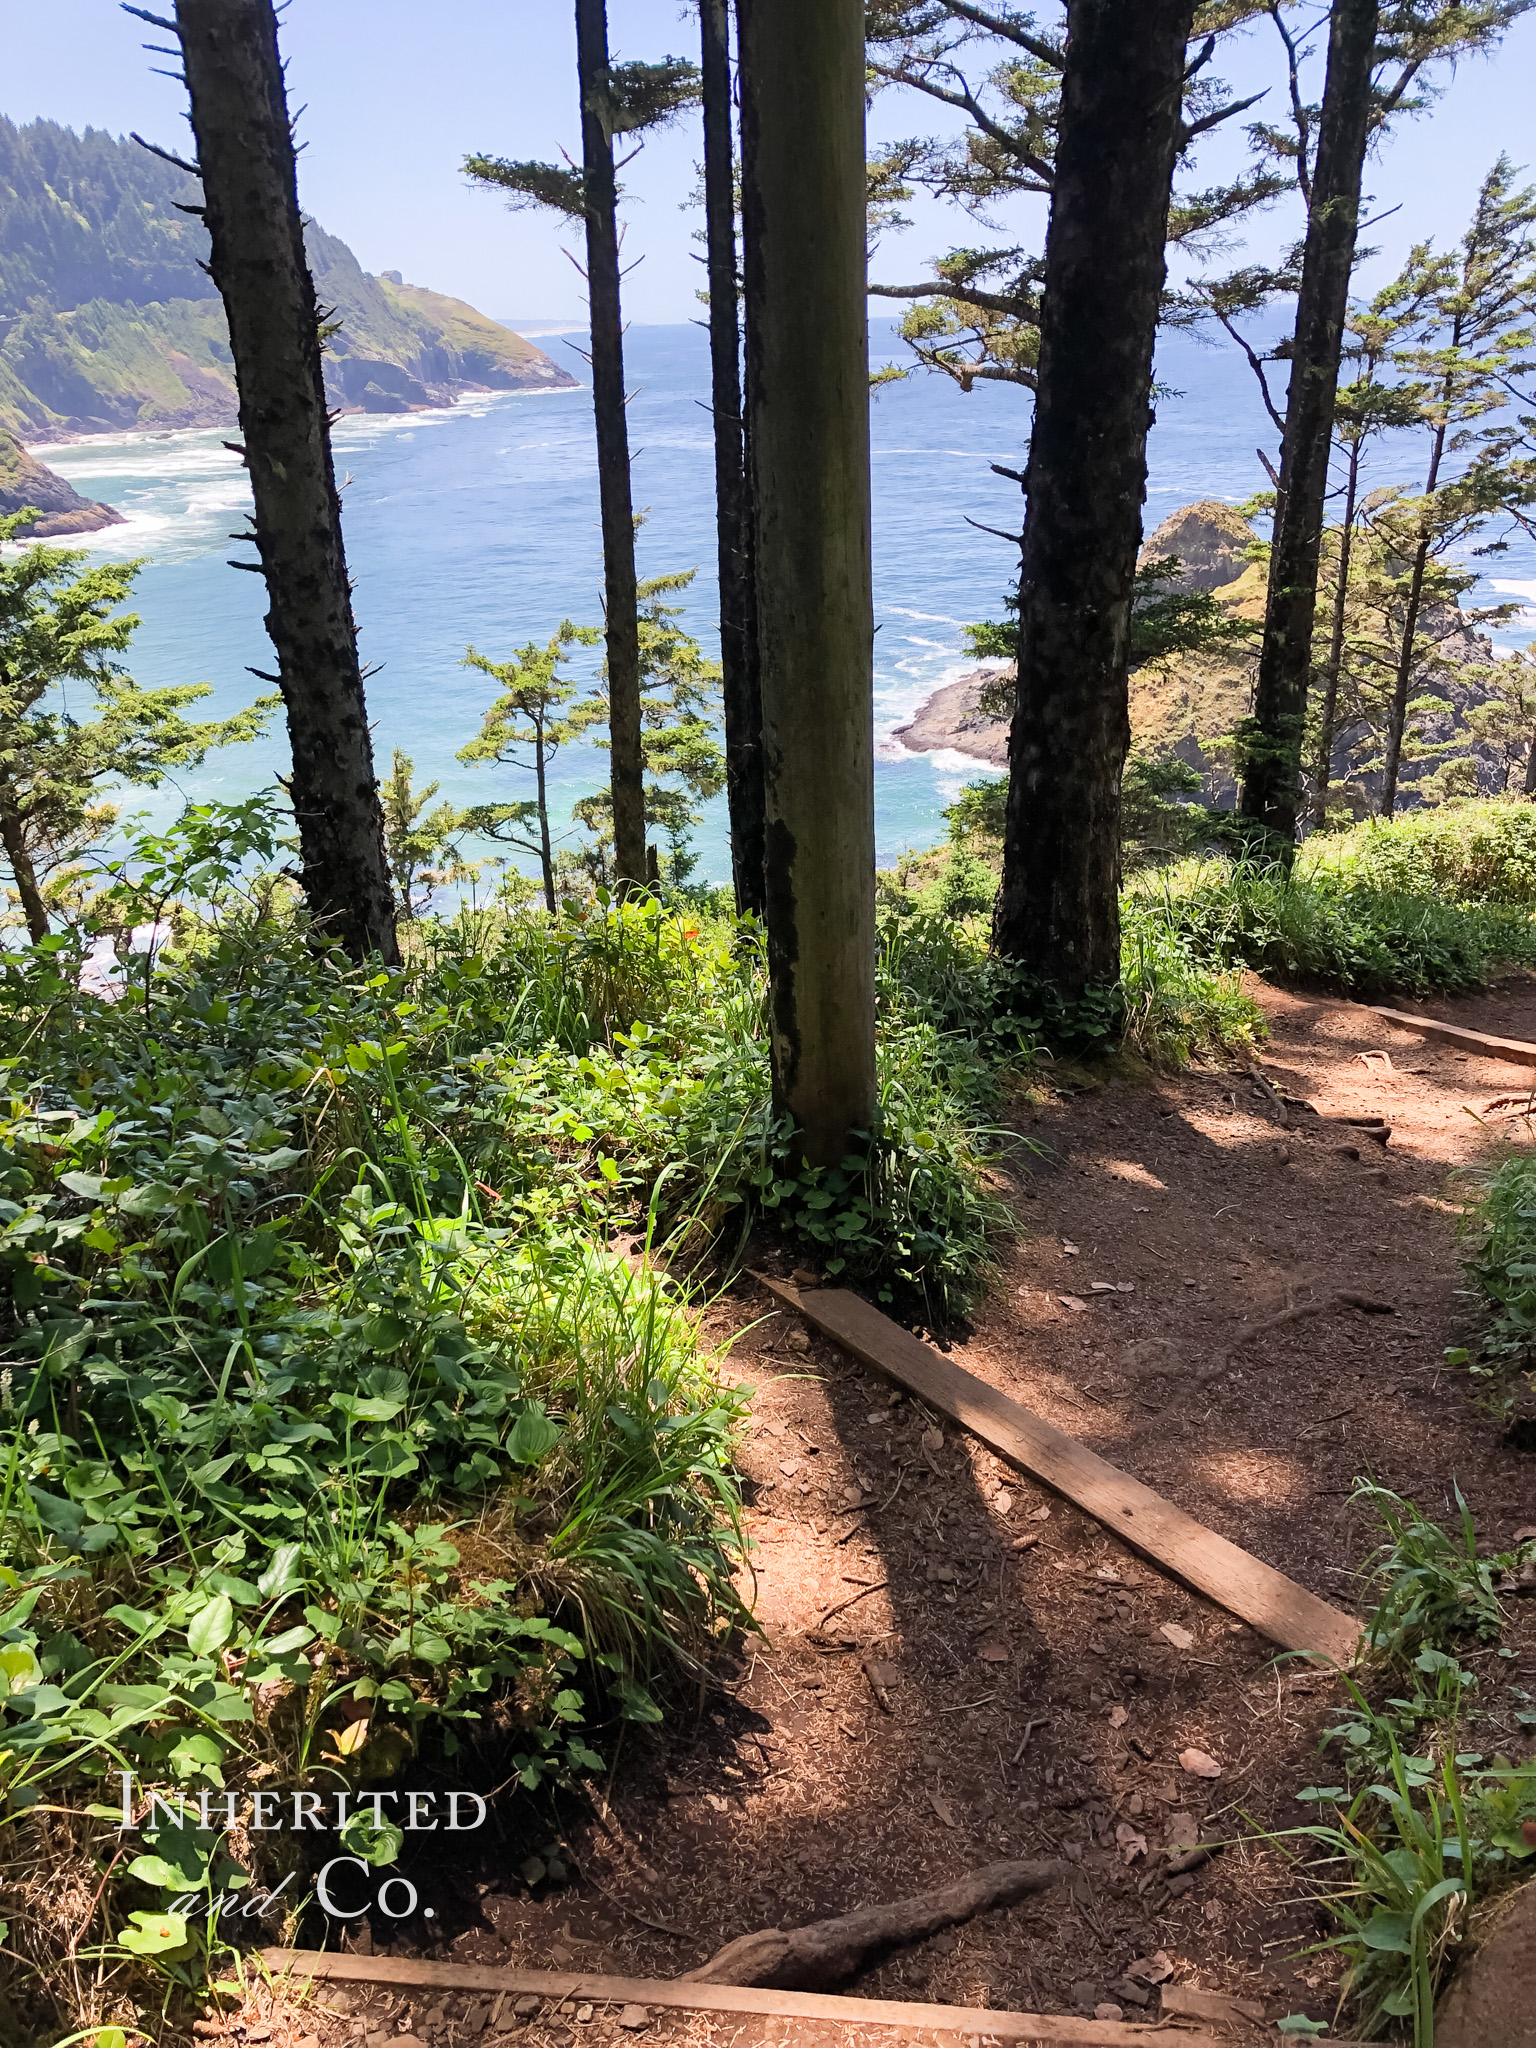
(397, 92)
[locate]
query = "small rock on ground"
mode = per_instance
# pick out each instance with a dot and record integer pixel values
(634, 2017)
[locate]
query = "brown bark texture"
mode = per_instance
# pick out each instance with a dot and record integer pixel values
(803, 194)
(1057, 911)
(240, 120)
(738, 650)
(1272, 747)
(13, 836)
(626, 758)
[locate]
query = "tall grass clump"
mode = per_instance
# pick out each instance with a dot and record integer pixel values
(1498, 1227)
(1433, 1818)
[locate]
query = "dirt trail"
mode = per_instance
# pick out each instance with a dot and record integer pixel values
(982, 1694)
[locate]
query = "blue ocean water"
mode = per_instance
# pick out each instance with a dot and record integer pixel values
(479, 525)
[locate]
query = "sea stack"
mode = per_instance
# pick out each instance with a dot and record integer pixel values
(24, 481)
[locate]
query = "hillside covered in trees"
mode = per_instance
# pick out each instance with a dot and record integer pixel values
(109, 320)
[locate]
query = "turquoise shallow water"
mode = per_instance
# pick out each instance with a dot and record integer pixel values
(479, 525)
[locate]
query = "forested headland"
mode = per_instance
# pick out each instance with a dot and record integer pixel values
(108, 318)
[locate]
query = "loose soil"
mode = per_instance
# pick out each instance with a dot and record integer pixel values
(956, 1666)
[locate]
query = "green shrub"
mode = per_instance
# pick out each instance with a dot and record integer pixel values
(1324, 927)
(1480, 851)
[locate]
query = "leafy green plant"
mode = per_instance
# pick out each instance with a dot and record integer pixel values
(1499, 1229)
(1434, 1586)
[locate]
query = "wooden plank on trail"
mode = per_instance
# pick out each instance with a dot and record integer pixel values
(1275, 1605)
(1046, 2030)
(1518, 1052)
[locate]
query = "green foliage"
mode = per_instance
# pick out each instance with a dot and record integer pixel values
(1426, 1825)
(421, 845)
(60, 623)
(93, 216)
(1326, 926)
(555, 187)
(332, 1430)
(1499, 1224)
(684, 762)
(525, 728)
(1434, 1587)
(1152, 821)
(1466, 853)
(1164, 622)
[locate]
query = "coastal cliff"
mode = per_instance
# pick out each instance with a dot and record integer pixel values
(24, 481)
(1210, 541)
(1186, 705)
(108, 321)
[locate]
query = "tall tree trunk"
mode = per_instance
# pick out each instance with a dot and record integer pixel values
(1272, 745)
(1058, 908)
(802, 109)
(1528, 787)
(1402, 681)
(546, 857)
(245, 157)
(13, 836)
(738, 650)
(1328, 721)
(626, 759)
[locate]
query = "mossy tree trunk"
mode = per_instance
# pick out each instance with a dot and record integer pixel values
(803, 193)
(240, 119)
(1272, 742)
(626, 758)
(738, 647)
(1057, 910)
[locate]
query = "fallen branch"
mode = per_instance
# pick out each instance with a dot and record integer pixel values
(1282, 1115)
(830, 1951)
(852, 1601)
(1341, 1298)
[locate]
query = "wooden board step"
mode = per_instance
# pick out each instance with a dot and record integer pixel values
(1518, 1052)
(1273, 1604)
(1047, 2030)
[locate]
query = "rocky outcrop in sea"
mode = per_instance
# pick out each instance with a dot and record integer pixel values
(24, 481)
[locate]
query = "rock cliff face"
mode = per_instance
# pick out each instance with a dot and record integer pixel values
(1187, 705)
(950, 718)
(1210, 540)
(24, 481)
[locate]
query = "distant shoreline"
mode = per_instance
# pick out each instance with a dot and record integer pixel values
(346, 412)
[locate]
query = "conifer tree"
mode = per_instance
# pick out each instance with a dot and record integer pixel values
(803, 234)
(1120, 122)
(738, 640)
(615, 100)
(1473, 342)
(245, 159)
(527, 725)
(60, 624)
